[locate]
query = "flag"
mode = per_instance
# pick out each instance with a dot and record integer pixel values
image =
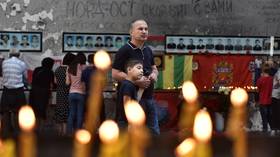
(222, 70)
(177, 69)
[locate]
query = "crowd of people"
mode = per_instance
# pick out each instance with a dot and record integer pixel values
(72, 81)
(268, 83)
(134, 69)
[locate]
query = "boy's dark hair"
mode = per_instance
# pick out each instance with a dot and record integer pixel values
(98, 38)
(79, 37)
(118, 38)
(89, 38)
(131, 63)
(108, 38)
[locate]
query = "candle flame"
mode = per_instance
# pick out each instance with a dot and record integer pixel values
(109, 131)
(26, 118)
(238, 97)
(190, 92)
(185, 147)
(134, 113)
(102, 60)
(203, 126)
(83, 136)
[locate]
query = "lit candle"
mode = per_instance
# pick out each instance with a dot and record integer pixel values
(102, 62)
(188, 112)
(82, 140)
(7, 148)
(27, 138)
(109, 134)
(186, 148)
(203, 132)
(237, 119)
(138, 134)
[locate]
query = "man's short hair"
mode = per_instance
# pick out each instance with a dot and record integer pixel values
(132, 62)
(89, 38)
(108, 38)
(99, 38)
(118, 38)
(14, 53)
(133, 22)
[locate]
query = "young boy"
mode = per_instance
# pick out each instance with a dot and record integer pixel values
(128, 90)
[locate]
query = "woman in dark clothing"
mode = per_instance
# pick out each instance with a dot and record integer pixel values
(62, 91)
(42, 83)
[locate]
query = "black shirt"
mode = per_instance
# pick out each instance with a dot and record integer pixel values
(191, 47)
(199, 47)
(86, 77)
(238, 47)
(219, 47)
(171, 45)
(181, 46)
(130, 51)
(210, 46)
(229, 47)
(257, 48)
(127, 88)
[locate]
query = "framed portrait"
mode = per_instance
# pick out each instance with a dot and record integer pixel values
(159, 61)
(23, 41)
(156, 43)
(247, 45)
(91, 42)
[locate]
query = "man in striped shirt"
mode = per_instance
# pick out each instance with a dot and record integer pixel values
(14, 74)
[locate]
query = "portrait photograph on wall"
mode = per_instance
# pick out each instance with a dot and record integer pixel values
(221, 45)
(91, 42)
(23, 41)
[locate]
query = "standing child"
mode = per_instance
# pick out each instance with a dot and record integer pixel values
(128, 89)
(264, 84)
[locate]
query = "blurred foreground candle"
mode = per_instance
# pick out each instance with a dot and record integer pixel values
(7, 148)
(81, 145)
(27, 145)
(202, 133)
(138, 134)
(189, 109)
(186, 148)
(237, 120)
(271, 45)
(102, 62)
(109, 135)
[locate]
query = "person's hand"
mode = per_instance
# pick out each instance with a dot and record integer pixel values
(144, 82)
(153, 77)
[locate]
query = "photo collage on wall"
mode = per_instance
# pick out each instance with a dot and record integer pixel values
(89, 42)
(23, 41)
(220, 45)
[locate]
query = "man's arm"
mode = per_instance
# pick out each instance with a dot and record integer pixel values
(118, 75)
(153, 76)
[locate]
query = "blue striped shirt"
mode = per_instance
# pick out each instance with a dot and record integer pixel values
(14, 71)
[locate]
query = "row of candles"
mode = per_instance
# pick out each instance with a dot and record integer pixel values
(136, 137)
(212, 88)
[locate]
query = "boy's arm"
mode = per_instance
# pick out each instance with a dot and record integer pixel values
(126, 98)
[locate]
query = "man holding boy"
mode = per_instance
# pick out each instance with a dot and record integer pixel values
(136, 49)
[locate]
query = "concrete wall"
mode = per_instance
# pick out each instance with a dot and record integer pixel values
(201, 17)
